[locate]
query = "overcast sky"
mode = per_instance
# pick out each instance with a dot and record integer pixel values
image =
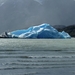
(21, 14)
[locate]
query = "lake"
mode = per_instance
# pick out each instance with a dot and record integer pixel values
(37, 56)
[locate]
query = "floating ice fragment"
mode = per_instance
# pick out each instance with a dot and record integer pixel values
(41, 31)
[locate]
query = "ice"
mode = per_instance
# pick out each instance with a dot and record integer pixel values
(41, 31)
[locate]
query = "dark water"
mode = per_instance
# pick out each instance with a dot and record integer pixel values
(37, 56)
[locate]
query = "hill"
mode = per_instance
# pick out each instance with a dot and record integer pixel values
(69, 29)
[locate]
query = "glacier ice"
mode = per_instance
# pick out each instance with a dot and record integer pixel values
(41, 31)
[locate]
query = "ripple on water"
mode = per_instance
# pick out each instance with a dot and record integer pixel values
(36, 57)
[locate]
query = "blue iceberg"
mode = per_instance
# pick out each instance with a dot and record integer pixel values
(40, 31)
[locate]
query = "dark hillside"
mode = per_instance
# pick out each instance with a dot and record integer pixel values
(69, 29)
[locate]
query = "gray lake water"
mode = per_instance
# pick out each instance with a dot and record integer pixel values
(37, 56)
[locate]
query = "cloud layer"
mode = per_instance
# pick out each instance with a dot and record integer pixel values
(19, 14)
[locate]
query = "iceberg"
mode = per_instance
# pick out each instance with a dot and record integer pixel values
(41, 31)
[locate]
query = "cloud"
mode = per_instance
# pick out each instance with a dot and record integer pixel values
(39, 1)
(19, 14)
(2, 2)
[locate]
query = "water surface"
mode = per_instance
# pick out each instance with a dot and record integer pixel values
(37, 56)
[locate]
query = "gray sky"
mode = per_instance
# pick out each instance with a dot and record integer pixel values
(21, 14)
